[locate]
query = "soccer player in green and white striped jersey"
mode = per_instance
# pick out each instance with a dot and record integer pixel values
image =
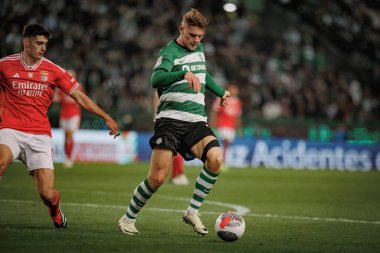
(180, 77)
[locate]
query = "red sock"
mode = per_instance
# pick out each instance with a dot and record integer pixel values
(69, 148)
(177, 166)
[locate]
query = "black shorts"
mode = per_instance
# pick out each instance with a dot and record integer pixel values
(179, 136)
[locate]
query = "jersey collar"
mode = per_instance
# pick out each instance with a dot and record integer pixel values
(27, 67)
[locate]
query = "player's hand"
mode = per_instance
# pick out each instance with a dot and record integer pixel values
(194, 82)
(112, 126)
(224, 99)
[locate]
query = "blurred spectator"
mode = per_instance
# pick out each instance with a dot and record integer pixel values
(324, 66)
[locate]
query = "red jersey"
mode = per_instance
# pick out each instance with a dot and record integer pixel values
(227, 115)
(28, 92)
(69, 108)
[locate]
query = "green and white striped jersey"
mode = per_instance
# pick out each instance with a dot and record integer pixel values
(177, 100)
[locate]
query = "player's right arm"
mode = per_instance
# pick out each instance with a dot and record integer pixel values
(162, 78)
(163, 75)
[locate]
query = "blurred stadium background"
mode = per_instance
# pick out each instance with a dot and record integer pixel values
(307, 70)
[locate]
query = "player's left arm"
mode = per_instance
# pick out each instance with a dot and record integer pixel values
(84, 101)
(217, 90)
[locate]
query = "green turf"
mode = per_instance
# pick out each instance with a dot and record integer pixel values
(290, 211)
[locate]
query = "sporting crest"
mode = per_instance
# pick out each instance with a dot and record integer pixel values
(44, 75)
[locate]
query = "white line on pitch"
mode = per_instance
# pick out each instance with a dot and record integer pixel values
(308, 218)
(238, 208)
(271, 216)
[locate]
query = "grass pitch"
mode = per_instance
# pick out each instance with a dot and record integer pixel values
(287, 211)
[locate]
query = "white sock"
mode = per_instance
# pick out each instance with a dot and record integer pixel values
(191, 211)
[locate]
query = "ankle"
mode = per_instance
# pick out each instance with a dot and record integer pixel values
(52, 201)
(191, 211)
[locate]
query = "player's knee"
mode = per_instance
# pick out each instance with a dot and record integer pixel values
(3, 166)
(156, 181)
(214, 161)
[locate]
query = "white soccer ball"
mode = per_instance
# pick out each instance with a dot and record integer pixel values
(230, 226)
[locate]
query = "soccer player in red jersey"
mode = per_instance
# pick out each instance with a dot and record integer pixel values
(27, 81)
(69, 120)
(227, 119)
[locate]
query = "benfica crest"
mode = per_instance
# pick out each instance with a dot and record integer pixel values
(44, 75)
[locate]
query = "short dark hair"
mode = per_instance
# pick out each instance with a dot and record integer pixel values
(34, 30)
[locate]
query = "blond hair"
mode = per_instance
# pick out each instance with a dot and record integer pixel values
(194, 18)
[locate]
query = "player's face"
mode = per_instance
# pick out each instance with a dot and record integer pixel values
(190, 36)
(36, 46)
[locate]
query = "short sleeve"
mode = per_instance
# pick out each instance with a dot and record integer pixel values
(66, 82)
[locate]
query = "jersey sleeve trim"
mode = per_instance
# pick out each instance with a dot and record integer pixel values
(73, 88)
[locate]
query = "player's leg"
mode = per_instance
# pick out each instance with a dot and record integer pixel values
(9, 148)
(44, 179)
(38, 157)
(160, 163)
(69, 144)
(227, 135)
(208, 150)
(226, 144)
(6, 157)
(69, 125)
(178, 176)
(177, 166)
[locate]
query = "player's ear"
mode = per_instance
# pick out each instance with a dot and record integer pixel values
(181, 28)
(26, 42)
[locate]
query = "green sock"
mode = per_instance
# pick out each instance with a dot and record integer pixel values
(142, 193)
(205, 182)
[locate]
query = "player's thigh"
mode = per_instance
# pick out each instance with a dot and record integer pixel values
(199, 147)
(161, 162)
(39, 153)
(9, 146)
(6, 156)
(211, 155)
